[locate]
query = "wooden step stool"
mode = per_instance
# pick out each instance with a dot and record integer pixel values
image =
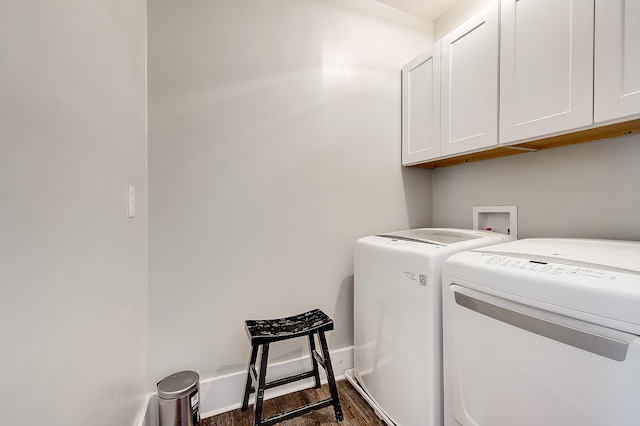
(264, 332)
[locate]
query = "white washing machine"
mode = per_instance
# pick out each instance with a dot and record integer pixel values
(543, 332)
(397, 320)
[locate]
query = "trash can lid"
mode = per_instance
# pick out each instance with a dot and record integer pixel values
(178, 385)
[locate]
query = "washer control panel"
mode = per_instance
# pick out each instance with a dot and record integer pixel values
(401, 241)
(546, 267)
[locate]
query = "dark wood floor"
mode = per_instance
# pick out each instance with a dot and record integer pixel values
(356, 410)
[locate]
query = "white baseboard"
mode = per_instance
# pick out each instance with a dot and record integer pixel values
(149, 411)
(224, 393)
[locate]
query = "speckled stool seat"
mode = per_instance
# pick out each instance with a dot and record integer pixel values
(264, 332)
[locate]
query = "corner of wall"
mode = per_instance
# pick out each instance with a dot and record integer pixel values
(451, 19)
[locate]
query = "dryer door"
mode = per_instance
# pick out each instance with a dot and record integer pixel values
(509, 364)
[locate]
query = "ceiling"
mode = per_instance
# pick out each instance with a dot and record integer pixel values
(427, 9)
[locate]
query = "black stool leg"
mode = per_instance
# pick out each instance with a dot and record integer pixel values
(261, 385)
(247, 387)
(314, 363)
(337, 408)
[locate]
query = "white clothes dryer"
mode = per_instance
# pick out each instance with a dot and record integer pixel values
(397, 319)
(543, 332)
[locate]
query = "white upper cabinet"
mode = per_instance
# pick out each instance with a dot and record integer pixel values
(470, 84)
(546, 67)
(617, 59)
(421, 107)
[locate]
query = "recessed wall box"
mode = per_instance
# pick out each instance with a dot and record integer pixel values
(503, 219)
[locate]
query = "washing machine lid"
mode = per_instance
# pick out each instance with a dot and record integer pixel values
(592, 280)
(440, 236)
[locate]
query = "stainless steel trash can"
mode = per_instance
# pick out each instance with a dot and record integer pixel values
(179, 399)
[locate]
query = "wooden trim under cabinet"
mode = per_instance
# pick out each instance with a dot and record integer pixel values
(588, 135)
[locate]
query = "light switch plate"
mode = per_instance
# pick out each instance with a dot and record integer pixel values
(131, 211)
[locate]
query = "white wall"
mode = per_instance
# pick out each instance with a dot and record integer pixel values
(72, 266)
(462, 11)
(587, 190)
(274, 144)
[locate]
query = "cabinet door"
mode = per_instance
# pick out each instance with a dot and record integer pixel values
(470, 84)
(617, 59)
(421, 107)
(546, 67)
